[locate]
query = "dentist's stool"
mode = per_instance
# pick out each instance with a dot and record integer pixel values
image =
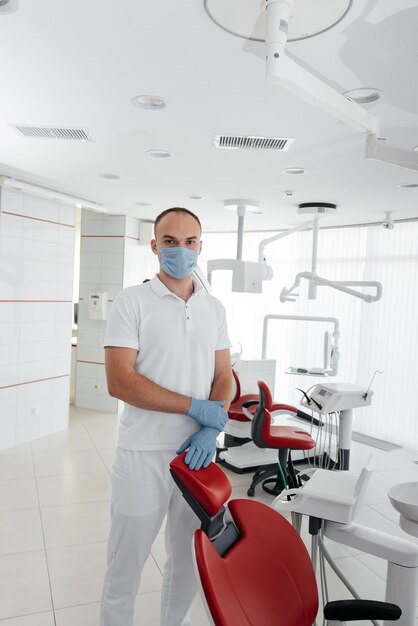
(284, 439)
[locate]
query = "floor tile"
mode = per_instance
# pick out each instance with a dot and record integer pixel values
(77, 573)
(73, 488)
(16, 466)
(18, 494)
(20, 531)
(101, 423)
(76, 524)
(62, 441)
(36, 619)
(81, 615)
(103, 439)
(68, 462)
(24, 585)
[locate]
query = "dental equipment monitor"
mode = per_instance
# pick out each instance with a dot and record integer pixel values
(341, 398)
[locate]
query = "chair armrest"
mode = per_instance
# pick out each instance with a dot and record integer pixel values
(350, 610)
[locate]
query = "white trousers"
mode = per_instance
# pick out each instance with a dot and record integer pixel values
(143, 493)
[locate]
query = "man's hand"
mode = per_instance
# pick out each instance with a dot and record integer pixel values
(202, 448)
(208, 413)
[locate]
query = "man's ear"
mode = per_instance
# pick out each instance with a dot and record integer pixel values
(200, 249)
(153, 244)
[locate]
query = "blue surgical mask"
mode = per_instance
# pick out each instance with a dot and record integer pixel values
(178, 262)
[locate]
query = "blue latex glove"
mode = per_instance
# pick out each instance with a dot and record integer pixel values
(202, 448)
(208, 413)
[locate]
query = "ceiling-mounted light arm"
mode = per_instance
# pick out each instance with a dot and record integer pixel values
(285, 233)
(289, 295)
(282, 69)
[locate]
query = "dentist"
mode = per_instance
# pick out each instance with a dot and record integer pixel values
(167, 358)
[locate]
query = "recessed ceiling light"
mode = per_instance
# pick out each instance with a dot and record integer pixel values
(160, 154)
(192, 197)
(149, 102)
(364, 95)
(142, 204)
(294, 170)
(108, 176)
(408, 185)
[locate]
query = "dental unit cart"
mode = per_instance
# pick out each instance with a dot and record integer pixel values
(331, 500)
(340, 398)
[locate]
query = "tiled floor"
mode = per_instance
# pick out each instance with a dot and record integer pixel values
(54, 523)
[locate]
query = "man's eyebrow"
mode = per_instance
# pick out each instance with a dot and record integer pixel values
(173, 237)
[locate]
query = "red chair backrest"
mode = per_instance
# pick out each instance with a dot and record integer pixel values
(237, 394)
(266, 578)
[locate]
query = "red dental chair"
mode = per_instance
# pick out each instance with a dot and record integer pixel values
(253, 567)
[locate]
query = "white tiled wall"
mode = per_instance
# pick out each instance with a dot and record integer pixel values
(110, 259)
(36, 282)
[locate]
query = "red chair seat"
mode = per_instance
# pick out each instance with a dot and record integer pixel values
(252, 583)
(289, 437)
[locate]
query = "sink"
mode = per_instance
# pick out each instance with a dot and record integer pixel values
(404, 498)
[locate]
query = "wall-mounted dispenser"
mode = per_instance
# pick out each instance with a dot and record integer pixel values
(98, 305)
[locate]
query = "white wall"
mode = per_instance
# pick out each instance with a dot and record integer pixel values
(36, 282)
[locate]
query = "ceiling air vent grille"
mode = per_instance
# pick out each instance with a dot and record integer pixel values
(54, 132)
(251, 142)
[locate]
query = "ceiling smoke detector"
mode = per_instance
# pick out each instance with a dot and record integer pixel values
(252, 142)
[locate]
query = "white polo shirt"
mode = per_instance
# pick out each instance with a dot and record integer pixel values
(176, 343)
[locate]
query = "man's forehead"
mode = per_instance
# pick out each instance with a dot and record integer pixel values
(178, 224)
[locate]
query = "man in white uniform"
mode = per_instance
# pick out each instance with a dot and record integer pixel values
(167, 358)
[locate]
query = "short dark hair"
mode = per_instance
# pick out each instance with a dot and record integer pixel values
(175, 209)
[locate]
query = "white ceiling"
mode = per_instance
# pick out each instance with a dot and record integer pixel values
(78, 64)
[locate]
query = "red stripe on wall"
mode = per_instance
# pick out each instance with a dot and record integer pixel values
(37, 219)
(36, 301)
(30, 382)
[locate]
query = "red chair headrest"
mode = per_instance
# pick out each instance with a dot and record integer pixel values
(210, 486)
